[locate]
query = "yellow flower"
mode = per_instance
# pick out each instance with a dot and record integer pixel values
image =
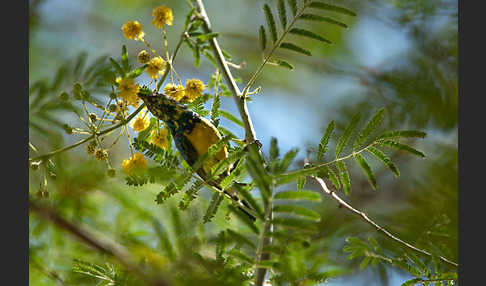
(143, 57)
(132, 30)
(160, 138)
(141, 123)
(127, 90)
(135, 164)
(155, 67)
(194, 89)
(162, 15)
(176, 92)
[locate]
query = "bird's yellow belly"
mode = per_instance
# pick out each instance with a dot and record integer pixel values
(202, 136)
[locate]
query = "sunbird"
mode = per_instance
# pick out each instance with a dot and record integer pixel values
(193, 135)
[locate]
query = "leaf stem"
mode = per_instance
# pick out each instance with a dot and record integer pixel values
(274, 48)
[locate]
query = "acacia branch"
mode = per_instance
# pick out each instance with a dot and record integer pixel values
(123, 122)
(104, 246)
(239, 99)
(341, 202)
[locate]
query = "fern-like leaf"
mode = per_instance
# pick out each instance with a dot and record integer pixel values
(298, 195)
(400, 146)
(402, 133)
(270, 22)
(322, 149)
(262, 37)
(344, 176)
(318, 18)
(369, 128)
(384, 159)
(282, 13)
(293, 7)
(366, 169)
(333, 8)
(343, 140)
(295, 48)
(297, 210)
(309, 34)
(216, 200)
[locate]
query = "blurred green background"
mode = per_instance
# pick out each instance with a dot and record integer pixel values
(398, 54)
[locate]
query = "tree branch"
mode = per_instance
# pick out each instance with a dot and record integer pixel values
(240, 100)
(341, 202)
(103, 246)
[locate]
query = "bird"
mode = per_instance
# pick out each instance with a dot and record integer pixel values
(193, 135)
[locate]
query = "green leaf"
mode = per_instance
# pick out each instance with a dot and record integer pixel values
(270, 22)
(333, 8)
(230, 117)
(263, 38)
(287, 159)
(292, 47)
(136, 72)
(344, 176)
(124, 59)
(309, 34)
(297, 210)
(282, 13)
(318, 18)
(190, 194)
(168, 191)
(366, 169)
(384, 159)
(327, 172)
(298, 195)
(244, 218)
(371, 126)
(301, 183)
(216, 200)
(295, 223)
(255, 166)
(208, 36)
(274, 152)
(322, 149)
(240, 238)
(400, 146)
(249, 199)
(402, 133)
(117, 67)
(215, 110)
(241, 256)
(343, 140)
(284, 64)
(210, 57)
(293, 6)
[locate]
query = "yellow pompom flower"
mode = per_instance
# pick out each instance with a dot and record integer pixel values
(160, 138)
(127, 90)
(156, 67)
(174, 91)
(143, 57)
(132, 30)
(162, 15)
(194, 89)
(141, 123)
(135, 164)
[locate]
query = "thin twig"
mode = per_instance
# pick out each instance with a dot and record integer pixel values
(104, 246)
(341, 202)
(240, 100)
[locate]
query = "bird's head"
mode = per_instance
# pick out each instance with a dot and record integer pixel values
(160, 105)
